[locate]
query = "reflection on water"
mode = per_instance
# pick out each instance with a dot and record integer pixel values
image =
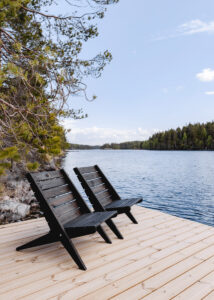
(178, 182)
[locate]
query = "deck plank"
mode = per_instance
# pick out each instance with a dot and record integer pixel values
(210, 296)
(198, 290)
(162, 257)
(139, 274)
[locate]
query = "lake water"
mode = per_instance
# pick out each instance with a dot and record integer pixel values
(180, 183)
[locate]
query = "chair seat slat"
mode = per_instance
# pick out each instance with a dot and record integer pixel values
(92, 219)
(124, 203)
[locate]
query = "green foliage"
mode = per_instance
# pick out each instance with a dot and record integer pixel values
(82, 147)
(10, 152)
(124, 146)
(191, 137)
(6, 155)
(40, 68)
(33, 166)
(2, 170)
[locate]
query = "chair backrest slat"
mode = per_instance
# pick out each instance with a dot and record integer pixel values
(69, 215)
(99, 188)
(85, 170)
(106, 200)
(60, 209)
(91, 176)
(70, 210)
(96, 186)
(57, 191)
(46, 175)
(95, 182)
(104, 195)
(60, 194)
(61, 199)
(51, 183)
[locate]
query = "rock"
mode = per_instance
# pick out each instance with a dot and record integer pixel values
(23, 210)
(17, 200)
(19, 203)
(6, 198)
(12, 210)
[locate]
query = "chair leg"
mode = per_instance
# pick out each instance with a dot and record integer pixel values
(50, 238)
(69, 246)
(113, 227)
(103, 234)
(42, 240)
(131, 217)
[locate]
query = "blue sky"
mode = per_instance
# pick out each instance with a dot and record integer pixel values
(161, 75)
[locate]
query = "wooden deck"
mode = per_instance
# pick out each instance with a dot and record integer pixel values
(163, 257)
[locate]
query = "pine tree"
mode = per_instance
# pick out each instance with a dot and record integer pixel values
(40, 67)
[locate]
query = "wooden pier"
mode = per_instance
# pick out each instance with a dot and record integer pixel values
(163, 257)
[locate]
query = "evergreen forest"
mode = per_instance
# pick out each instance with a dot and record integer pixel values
(191, 137)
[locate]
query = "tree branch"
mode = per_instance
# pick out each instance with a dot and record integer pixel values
(57, 17)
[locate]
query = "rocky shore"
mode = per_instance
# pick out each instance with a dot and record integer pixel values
(18, 202)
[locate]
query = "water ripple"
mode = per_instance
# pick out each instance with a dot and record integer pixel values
(179, 183)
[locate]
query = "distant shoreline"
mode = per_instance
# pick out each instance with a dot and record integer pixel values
(155, 150)
(193, 137)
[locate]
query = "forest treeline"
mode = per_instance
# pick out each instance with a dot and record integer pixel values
(82, 147)
(191, 137)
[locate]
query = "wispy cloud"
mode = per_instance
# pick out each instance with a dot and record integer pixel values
(207, 75)
(209, 93)
(189, 28)
(196, 26)
(98, 136)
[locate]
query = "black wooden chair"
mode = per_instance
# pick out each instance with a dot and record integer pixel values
(101, 193)
(66, 212)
